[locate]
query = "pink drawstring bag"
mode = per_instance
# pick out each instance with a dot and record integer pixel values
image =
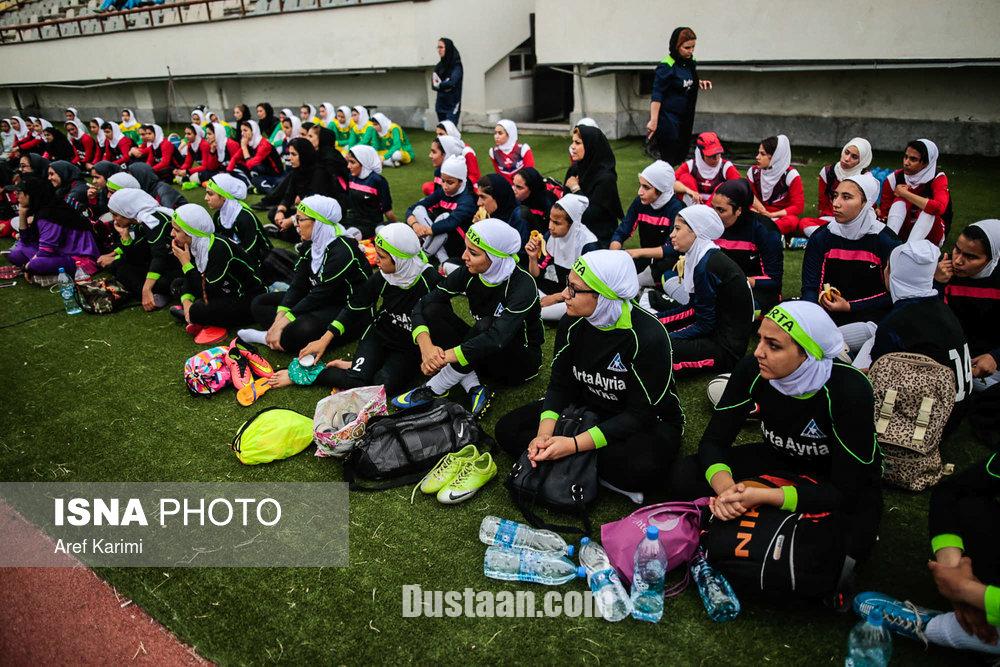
(680, 531)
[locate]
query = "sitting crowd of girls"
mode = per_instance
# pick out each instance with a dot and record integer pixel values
(523, 250)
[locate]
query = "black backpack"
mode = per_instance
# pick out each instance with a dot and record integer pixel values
(568, 485)
(779, 552)
(400, 448)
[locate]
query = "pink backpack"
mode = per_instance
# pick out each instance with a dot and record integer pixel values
(206, 372)
(680, 532)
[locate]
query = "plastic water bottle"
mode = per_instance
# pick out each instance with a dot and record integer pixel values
(870, 643)
(609, 594)
(716, 594)
(548, 568)
(67, 290)
(649, 569)
(511, 534)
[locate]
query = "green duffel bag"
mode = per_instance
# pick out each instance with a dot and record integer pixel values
(272, 434)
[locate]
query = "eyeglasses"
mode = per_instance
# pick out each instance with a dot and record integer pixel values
(572, 291)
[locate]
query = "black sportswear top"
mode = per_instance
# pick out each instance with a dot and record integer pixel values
(228, 274)
(344, 269)
(247, 233)
(624, 375)
(151, 248)
(976, 303)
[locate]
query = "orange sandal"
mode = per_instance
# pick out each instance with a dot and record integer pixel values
(251, 392)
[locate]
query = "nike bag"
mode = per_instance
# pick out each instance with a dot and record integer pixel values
(400, 448)
(272, 434)
(206, 373)
(568, 485)
(914, 397)
(341, 419)
(779, 552)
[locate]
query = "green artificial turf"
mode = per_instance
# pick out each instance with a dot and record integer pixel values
(102, 399)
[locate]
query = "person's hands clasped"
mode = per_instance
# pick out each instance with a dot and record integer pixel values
(550, 448)
(432, 359)
(729, 505)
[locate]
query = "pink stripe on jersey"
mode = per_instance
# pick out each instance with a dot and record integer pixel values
(658, 220)
(364, 188)
(728, 244)
(679, 316)
(972, 292)
(854, 255)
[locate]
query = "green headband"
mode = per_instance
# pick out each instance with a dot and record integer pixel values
(787, 323)
(217, 189)
(381, 242)
(191, 231)
(477, 240)
(309, 213)
(593, 282)
(114, 187)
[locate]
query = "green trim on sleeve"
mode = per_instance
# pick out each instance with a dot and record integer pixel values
(549, 414)
(791, 501)
(460, 355)
(419, 330)
(187, 267)
(152, 276)
(991, 602)
(187, 297)
(338, 325)
(288, 313)
(945, 540)
(714, 469)
(119, 252)
(598, 436)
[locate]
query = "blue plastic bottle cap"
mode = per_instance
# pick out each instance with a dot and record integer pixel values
(652, 532)
(581, 572)
(584, 540)
(875, 617)
(570, 550)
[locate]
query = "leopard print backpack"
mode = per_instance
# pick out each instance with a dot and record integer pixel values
(914, 396)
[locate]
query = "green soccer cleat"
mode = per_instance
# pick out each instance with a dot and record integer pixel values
(447, 469)
(473, 476)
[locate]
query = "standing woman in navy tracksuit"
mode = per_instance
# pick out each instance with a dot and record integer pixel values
(447, 81)
(675, 94)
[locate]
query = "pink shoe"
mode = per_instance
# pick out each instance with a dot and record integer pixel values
(209, 335)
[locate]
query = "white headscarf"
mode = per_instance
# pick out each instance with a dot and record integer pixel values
(611, 273)
(135, 120)
(823, 343)
(383, 122)
(157, 135)
(197, 223)
(402, 243)
(327, 214)
(116, 134)
(588, 122)
(930, 171)
(864, 151)
(296, 127)
(363, 117)
(81, 129)
(231, 205)
(123, 180)
(312, 112)
(74, 112)
(199, 134)
(369, 159)
(780, 161)
(451, 145)
(8, 137)
(992, 229)
(454, 166)
(220, 141)
(501, 242)
(100, 132)
(511, 129)
(565, 249)
(451, 129)
(255, 135)
(661, 176)
(23, 132)
(135, 204)
(346, 110)
(707, 226)
(202, 118)
(866, 222)
(44, 123)
(331, 113)
(705, 169)
(911, 270)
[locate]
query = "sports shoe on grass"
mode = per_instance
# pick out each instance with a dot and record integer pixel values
(447, 469)
(422, 395)
(903, 618)
(798, 243)
(239, 367)
(260, 366)
(471, 477)
(252, 391)
(188, 185)
(479, 400)
(209, 335)
(177, 312)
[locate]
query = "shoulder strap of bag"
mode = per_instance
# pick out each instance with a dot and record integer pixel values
(536, 521)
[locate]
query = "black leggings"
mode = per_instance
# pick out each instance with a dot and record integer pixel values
(376, 363)
(640, 463)
(305, 329)
(134, 277)
(221, 312)
(687, 482)
(512, 365)
(700, 355)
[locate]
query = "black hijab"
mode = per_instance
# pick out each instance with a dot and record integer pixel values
(496, 186)
(675, 42)
(738, 192)
(329, 157)
(448, 61)
(246, 115)
(307, 154)
(539, 197)
(598, 167)
(106, 169)
(269, 121)
(69, 176)
(148, 180)
(45, 204)
(59, 148)
(39, 165)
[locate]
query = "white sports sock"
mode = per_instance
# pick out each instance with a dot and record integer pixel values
(945, 630)
(255, 336)
(646, 278)
(857, 334)
(863, 360)
(445, 379)
(674, 288)
(470, 381)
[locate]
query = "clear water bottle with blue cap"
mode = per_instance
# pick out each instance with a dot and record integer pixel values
(511, 534)
(609, 595)
(547, 568)
(870, 643)
(67, 290)
(716, 593)
(649, 570)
